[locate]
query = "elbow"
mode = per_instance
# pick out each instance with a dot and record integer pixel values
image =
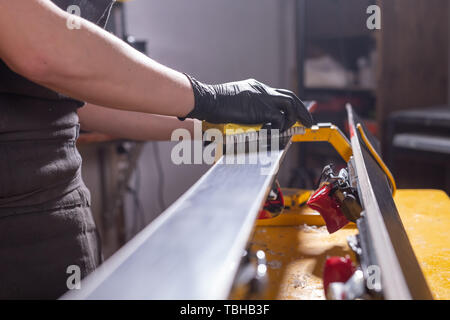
(33, 65)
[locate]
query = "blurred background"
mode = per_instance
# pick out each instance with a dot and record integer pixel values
(396, 78)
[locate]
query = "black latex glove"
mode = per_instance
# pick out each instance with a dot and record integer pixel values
(248, 102)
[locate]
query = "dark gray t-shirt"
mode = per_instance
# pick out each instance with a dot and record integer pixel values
(40, 166)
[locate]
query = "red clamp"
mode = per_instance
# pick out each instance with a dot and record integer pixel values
(328, 207)
(337, 269)
(274, 204)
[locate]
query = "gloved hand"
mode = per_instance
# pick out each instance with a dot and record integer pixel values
(248, 102)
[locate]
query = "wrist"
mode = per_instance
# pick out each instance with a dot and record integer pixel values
(188, 101)
(204, 96)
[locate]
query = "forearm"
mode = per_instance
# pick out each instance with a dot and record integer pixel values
(131, 125)
(89, 63)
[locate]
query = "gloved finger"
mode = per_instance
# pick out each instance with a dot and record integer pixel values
(276, 119)
(273, 116)
(287, 105)
(303, 115)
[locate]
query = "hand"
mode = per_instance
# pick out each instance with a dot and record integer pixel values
(248, 102)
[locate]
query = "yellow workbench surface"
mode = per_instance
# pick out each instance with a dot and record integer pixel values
(426, 217)
(297, 244)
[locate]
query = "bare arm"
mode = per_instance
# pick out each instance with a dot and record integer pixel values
(88, 64)
(131, 125)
